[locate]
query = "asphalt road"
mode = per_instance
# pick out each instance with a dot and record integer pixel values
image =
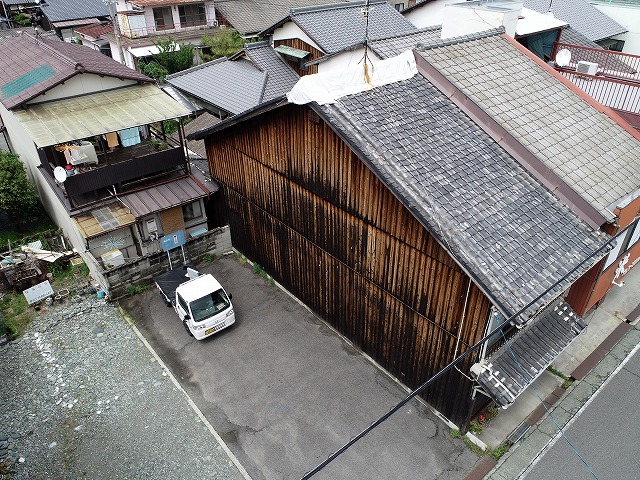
(284, 391)
(605, 434)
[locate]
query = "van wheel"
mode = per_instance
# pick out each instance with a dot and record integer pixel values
(186, 327)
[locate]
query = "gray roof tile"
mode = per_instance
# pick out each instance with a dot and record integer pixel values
(255, 75)
(580, 15)
(390, 46)
(60, 10)
(338, 26)
(594, 155)
(252, 16)
(515, 237)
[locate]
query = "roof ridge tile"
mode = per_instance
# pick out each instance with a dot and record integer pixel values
(461, 39)
(333, 6)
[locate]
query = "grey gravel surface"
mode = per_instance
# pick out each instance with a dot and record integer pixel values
(82, 397)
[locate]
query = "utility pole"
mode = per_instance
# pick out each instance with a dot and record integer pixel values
(116, 29)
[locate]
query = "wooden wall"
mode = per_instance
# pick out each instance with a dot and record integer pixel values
(300, 45)
(302, 205)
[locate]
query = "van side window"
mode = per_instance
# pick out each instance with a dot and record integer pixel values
(183, 304)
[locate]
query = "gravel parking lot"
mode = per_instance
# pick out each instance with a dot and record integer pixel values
(82, 397)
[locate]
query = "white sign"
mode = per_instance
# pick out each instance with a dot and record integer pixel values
(38, 292)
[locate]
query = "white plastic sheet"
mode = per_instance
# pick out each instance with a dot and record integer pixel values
(328, 87)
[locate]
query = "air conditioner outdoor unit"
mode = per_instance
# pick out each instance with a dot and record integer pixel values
(587, 67)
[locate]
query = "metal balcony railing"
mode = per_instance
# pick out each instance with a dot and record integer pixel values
(616, 82)
(151, 30)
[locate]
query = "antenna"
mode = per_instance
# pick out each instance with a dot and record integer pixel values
(563, 57)
(60, 174)
(365, 13)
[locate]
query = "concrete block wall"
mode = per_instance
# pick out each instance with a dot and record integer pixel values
(142, 271)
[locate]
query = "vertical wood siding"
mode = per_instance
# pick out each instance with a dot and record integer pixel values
(302, 205)
(300, 45)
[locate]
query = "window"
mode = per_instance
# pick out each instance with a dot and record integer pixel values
(192, 211)
(163, 18)
(209, 305)
(399, 6)
(623, 243)
(191, 15)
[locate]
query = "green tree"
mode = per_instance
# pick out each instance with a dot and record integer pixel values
(169, 59)
(18, 196)
(223, 44)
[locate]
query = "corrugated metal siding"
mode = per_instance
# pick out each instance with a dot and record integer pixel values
(303, 206)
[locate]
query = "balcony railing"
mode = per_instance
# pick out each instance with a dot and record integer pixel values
(151, 30)
(616, 82)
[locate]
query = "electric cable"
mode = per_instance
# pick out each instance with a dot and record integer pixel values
(453, 363)
(560, 429)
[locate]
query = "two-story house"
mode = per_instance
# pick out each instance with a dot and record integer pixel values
(92, 135)
(140, 23)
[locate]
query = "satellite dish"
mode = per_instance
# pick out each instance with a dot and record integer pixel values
(60, 174)
(563, 57)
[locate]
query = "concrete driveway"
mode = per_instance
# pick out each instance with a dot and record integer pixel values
(284, 391)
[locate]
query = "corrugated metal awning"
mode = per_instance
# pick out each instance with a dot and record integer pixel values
(292, 52)
(507, 373)
(89, 224)
(162, 197)
(75, 23)
(76, 118)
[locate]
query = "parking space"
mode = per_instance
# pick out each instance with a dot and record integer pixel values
(284, 391)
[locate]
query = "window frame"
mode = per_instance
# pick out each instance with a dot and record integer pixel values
(192, 15)
(163, 17)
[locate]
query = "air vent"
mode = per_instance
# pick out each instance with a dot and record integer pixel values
(589, 68)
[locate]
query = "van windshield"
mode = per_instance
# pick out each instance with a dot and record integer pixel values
(209, 305)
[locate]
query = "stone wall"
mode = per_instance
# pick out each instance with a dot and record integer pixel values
(142, 271)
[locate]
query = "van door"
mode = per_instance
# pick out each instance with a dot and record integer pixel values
(182, 309)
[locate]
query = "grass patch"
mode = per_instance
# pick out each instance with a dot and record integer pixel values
(557, 373)
(17, 315)
(208, 257)
(132, 290)
(241, 259)
(499, 451)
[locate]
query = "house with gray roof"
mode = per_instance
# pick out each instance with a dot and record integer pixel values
(307, 34)
(579, 14)
(229, 86)
(63, 15)
(91, 133)
(421, 214)
(250, 17)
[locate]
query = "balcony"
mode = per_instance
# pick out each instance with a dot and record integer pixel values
(611, 78)
(116, 172)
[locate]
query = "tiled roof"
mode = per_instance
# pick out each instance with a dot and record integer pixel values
(30, 66)
(280, 76)
(60, 10)
(95, 31)
(21, 2)
(393, 45)
(200, 123)
(255, 75)
(252, 16)
(514, 237)
(580, 15)
(11, 33)
(588, 150)
(509, 371)
(232, 86)
(341, 25)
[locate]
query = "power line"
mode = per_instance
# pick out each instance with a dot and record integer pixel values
(453, 363)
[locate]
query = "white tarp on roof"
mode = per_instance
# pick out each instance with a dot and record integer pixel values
(328, 87)
(531, 22)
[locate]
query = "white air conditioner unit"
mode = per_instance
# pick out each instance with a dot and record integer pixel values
(587, 67)
(112, 258)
